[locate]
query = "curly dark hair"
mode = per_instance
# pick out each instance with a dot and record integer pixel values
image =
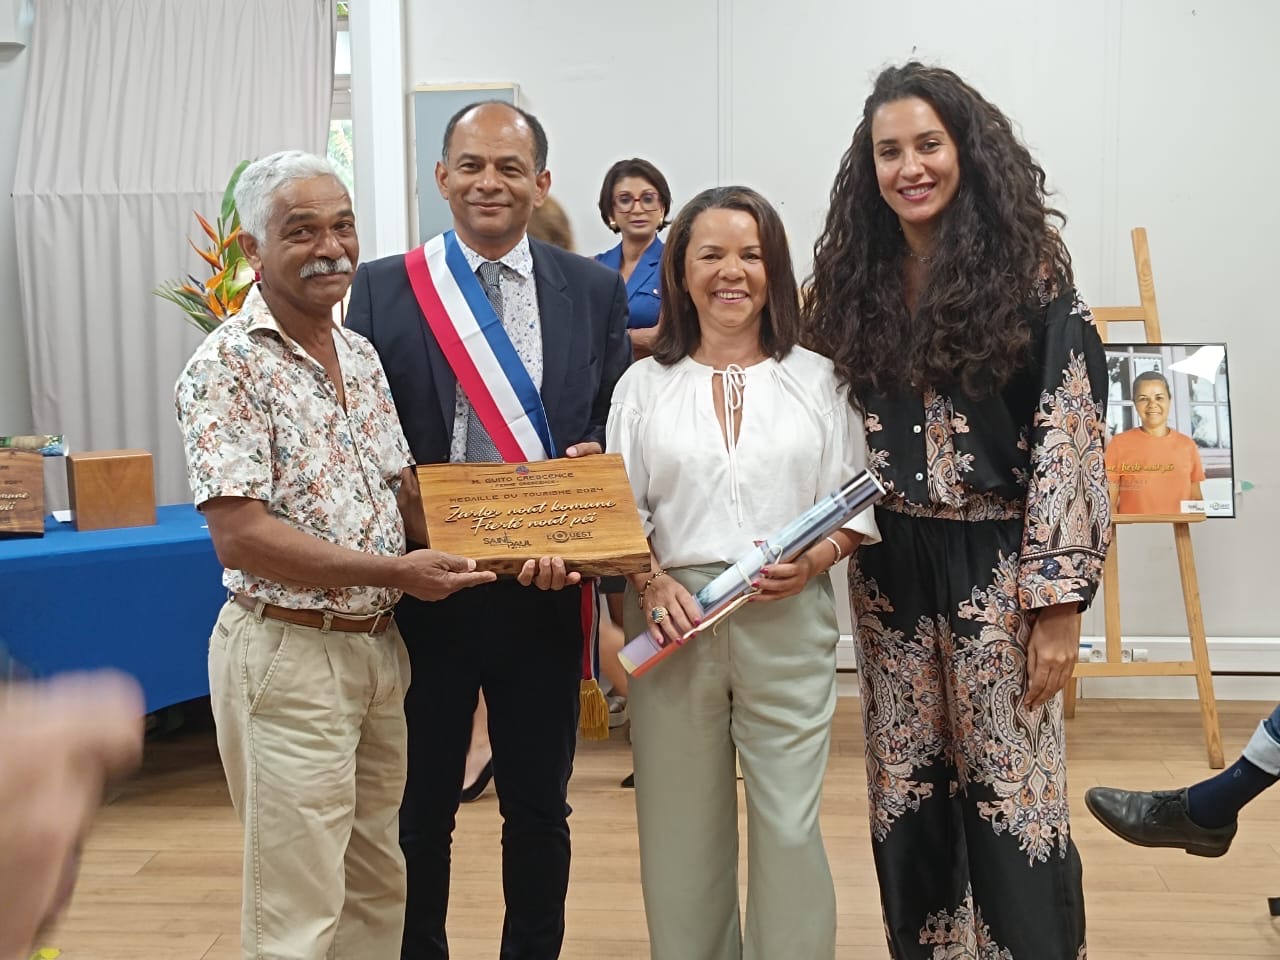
(994, 250)
(642, 170)
(679, 332)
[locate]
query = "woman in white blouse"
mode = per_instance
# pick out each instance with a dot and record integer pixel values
(729, 431)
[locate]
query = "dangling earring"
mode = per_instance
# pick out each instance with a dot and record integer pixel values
(613, 225)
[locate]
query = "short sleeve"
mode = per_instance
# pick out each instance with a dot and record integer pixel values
(1197, 465)
(225, 426)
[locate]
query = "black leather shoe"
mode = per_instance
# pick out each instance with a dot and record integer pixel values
(1157, 819)
(472, 793)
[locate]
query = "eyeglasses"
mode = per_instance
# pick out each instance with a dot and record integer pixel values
(649, 200)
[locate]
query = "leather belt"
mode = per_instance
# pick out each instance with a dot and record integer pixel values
(320, 619)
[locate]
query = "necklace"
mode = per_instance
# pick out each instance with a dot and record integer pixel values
(923, 261)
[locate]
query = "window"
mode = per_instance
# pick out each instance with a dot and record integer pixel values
(340, 151)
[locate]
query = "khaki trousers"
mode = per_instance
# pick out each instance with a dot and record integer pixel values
(311, 731)
(764, 685)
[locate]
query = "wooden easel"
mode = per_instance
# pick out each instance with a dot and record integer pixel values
(1113, 666)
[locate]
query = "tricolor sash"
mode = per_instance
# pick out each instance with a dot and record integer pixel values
(478, 350)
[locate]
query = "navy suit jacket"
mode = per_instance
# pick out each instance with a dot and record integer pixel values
(585, 348)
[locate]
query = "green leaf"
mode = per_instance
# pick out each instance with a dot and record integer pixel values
(229, 197)
(236, 283)
(192, 305)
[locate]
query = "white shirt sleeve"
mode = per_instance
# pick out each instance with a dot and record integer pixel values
(844, 456)
(622, 435)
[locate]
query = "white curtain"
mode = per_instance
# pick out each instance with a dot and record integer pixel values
(136, 114)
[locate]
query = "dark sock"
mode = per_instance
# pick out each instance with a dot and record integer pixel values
(1216, 801)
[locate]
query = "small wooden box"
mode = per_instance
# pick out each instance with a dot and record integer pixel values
(111, 488)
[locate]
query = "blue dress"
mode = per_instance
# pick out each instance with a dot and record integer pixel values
(644, 295)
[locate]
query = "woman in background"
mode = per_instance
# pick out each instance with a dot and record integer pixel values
(550, 224)
(945, 296)
(634, 202)
(1152, 468)
(728, 432)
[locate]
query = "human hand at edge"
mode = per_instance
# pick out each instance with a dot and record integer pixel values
(60, 742)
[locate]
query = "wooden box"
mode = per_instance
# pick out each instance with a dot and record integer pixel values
(111, 488)
(21, 493)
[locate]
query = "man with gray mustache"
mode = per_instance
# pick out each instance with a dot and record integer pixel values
(296, 457)
(324, 266)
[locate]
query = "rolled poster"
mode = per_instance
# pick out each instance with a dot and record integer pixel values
(726, 592)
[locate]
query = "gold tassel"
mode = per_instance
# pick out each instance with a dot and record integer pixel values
(594, 710)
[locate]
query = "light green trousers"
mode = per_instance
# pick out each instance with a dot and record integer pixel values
(763, 683)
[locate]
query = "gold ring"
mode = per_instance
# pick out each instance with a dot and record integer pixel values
(658, 614)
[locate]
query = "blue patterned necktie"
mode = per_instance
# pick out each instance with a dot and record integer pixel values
(480, 447)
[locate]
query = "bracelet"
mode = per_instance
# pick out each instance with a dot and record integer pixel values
(839, 553)
(647, 584)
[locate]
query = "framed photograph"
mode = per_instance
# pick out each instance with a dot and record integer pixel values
(1169, 429)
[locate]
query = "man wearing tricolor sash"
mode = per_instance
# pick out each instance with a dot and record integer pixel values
(497, 348)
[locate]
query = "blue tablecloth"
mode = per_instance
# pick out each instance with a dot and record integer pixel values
(141, 599)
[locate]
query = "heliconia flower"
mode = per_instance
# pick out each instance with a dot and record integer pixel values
(207, 257)
(213, 234)
(206, 303)
(218, 277)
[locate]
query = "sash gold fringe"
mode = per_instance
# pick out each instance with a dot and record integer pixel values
(594, 712)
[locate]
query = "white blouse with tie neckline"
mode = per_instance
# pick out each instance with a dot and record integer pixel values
(798, 440)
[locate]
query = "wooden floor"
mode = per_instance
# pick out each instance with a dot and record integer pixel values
(161, 873)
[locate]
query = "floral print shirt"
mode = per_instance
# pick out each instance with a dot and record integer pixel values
(261, 419)
(1032, 451)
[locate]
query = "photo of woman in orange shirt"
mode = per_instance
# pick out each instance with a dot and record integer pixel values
(1153, 468)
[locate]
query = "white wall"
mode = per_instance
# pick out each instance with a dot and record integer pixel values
(15, 397)
(1144, 113)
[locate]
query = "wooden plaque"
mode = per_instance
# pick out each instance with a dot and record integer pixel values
(111, 488)
(21, 493)
(502, 514)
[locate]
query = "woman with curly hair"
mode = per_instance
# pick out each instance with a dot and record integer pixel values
(944, 295)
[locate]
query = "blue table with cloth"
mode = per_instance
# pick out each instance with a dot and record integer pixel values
(139, 599)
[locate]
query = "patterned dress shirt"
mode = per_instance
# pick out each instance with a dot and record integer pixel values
(261, 419)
